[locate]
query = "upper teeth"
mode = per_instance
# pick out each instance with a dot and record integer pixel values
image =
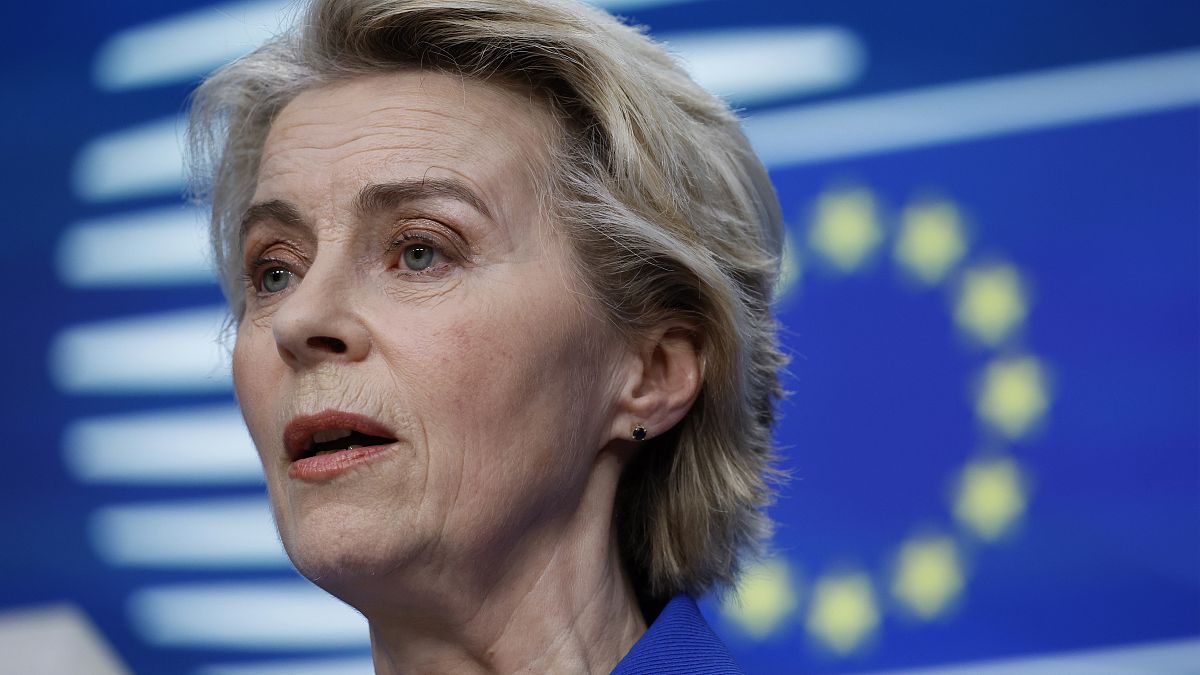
(331, 435)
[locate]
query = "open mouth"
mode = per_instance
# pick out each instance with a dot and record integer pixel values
(335, 440)
(331, 432)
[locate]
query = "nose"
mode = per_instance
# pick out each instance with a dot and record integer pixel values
(317, 322)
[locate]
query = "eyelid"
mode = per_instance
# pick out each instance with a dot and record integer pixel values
(268, 254)
(274, 248)
(423, 230)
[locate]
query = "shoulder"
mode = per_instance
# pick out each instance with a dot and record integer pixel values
(679, 641)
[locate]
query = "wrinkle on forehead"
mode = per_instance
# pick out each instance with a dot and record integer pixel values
(396, 116)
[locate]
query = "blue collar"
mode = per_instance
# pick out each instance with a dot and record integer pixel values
(679, 641)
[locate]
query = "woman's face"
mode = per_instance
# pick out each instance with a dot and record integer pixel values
(403, 284)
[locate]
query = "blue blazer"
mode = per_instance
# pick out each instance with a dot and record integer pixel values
(679, 642)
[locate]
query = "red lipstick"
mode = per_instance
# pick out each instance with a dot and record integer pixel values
(331, 442)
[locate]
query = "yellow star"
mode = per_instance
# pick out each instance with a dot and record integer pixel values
(928, 575)
(765, 597)
(846, 228)
(991, 303)
(790, 268)
(990, 497)
(1012, 396)
(931, 240)
(843, 613)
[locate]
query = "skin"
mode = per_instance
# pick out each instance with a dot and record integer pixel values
(483, 541)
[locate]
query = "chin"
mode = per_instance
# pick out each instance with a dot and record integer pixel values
(340, 548)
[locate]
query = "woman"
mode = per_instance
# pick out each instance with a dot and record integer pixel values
(500, 273)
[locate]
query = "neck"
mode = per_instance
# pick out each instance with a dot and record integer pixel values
(562, 603)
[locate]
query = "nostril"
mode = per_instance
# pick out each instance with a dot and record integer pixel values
(326, 344)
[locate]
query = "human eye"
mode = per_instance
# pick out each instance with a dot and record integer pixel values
(272, 266)
(419, 257)
(267, 276)
(422, 251)
(273, 277)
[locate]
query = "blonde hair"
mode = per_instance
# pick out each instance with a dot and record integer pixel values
(671, 215)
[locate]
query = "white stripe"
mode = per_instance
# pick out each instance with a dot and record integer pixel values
(181, 447)
(173, 352)
(190, 45)
(976, 109)
(53, 639)
(258, 616)
(755, 66)
(158, 247)
(144, 160)
(185, 46)
(210, 534)
(1179, 656)
(356, 666)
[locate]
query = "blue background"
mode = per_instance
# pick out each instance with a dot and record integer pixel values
(1100, 217)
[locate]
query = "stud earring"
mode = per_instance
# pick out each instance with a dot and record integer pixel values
(639, 433)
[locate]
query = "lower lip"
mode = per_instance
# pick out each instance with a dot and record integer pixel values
(325, 467)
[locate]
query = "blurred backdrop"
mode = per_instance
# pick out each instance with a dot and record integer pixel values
(991, 300)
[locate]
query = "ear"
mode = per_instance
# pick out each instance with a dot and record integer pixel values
(664, 380)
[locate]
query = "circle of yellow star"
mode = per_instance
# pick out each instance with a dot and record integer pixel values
(990, 497)
(991, 303)
(843, 612)
(931, 240)
(766, 595)
(928, 576)
(846, 228)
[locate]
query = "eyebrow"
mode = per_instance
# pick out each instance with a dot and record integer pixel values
(371, 199)
(388, 196)
(277, 210)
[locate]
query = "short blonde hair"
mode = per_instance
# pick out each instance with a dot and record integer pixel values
(671, 215)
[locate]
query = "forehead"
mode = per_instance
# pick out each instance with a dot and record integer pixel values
(407, 124)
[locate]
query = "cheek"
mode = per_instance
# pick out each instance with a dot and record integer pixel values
(253, 377)
(510, 389)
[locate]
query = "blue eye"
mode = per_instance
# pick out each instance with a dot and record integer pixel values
(276, 279)
(418, 258)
